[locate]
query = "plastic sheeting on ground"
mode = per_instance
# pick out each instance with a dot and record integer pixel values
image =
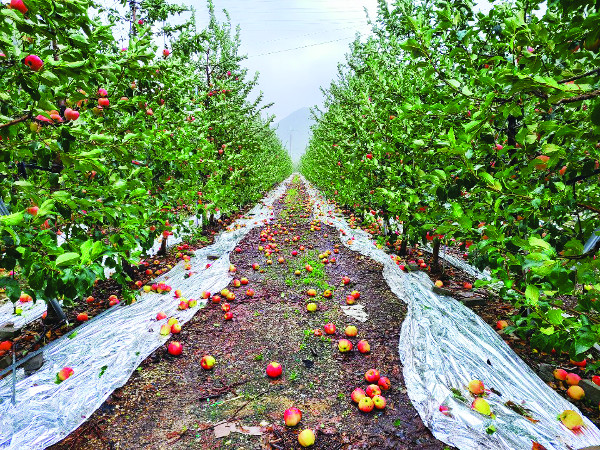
(444, 345)
(105, 352)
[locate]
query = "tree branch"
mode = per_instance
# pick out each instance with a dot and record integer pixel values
(16, 121)
(577, 77)
(579, 98)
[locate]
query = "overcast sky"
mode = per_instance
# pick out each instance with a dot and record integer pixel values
(294, 44)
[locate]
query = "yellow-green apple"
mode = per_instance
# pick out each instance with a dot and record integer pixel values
(192, 303)
(355, 294)
(207, 362)
(311, 307)
(306, 438)
(351, 331)
(231, 296)
(255, 266)
(365, 404)
(571, 419)
(481, 405)
(439, 283)
(165, 329)
(344, 345)
(379, 402)
(171, 321)
(236, 283)
(576, 392)
(328, 293)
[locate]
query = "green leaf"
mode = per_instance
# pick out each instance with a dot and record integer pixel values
(555, 316)
(532, 294)
(68, 258)
(12, 219)
(535, 241)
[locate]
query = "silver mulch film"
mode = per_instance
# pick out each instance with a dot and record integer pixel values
(105, 352)
(444, 345)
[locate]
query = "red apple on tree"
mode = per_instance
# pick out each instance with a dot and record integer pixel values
(18, 5)
(34, 62)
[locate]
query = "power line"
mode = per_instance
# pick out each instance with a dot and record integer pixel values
(301, 47)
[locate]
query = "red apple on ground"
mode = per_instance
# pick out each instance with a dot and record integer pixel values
(274, 370)
(207, 362)
(355, 294)
(250, 292)
(311, 293)
(501, 324)
(90, 299)
(216, 299)
(345, 280)
(175, 348)
(176, 328)
(467, 286)
(384, 383)
(244, 281)
(329, 328)
(350, 300)
(292, 416)
(161, 315)
(64, 373)
(357, 394)
(372, 375)
(255, 266)
(579, 363)
(596, 380)
(328, 293)
(228, 315)
(363, 346)
(560, 374)
(113, 300)
(572, 379)
(206, 295)
(373, 390)
(237, 283)
(82, 317)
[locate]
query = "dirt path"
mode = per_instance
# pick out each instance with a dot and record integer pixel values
(171, 402)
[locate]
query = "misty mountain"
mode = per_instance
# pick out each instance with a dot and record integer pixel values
(294, 132)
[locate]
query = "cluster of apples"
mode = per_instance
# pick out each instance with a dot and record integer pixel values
(574, 391)
(371, 398)
(480, 404)
(161, 288)
(292, 417)
(345, 345)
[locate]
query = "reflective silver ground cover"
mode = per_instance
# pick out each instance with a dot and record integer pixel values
(113, 345)
(444, 345)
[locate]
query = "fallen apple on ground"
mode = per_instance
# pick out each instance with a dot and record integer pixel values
(175, 348)
(372, 375)
(329, 328)
(560, 374)
(384, 383)
(207, 362)
(373, 390)
(311, 307)
(363, 346)
(576, 392)
(379, 402)
(351, 331)
(344, 345)
(274, 370)
(476, 387)
(481, 406)
(571, 419)
(161, 315)
(501, 324)
(306, 438)
(366, 404)
(292, 416)
(572, 379)
(357, 394)
(63, 374)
